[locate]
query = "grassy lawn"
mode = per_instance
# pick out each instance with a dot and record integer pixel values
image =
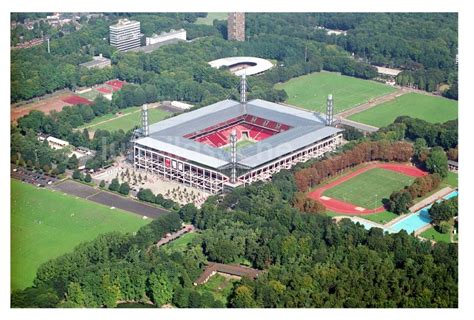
(108, 117)
(431, 109)
(451, 180)
(382, 217)
(311, 91)
(432, 234)
(369, 188)
(211, 16)
(219, 286)
(128, 121)
(46, 224)
(182, 242)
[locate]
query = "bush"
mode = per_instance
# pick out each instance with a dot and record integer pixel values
(114, 185)
(102, 184)
(76, 175)
(124, 188)
(444, 227)
(88, 178)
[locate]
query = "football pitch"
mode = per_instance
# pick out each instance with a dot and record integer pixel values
(429, 108)
(368, 189)
(46, 224)
(311, 91)
(127, 121)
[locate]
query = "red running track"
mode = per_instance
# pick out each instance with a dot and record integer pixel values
(340, 206)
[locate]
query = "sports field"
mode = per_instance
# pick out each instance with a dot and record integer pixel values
(311, 91)
(127, 121)
(240, 144)
(211, 16)
(367, 189)
(429, 108)
(47, 224)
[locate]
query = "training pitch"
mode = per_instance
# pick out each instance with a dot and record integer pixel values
(362, 191)
(129, 119)
(311, 91)
(429, 108)
(46, 224)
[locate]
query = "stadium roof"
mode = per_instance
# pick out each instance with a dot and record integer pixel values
(261, 65)
(306, 128)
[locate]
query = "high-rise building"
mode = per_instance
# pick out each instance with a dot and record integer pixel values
(236, 26)
(125, 34)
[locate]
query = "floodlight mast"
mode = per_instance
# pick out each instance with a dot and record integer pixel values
(145, 125)
(329, 111)
(233, 155)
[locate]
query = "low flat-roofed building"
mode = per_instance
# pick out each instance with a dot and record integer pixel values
(453, 165)
(56, 143)
(164, 36)
(98, 62)
(388, 71)
(229, 269)
(181, 105)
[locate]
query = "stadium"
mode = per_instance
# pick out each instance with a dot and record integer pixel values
(231, 143)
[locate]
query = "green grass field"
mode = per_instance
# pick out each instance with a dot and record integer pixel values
(432, 234)
(128, 121)
(311, 91)
(382, 217)
(47, 224)
(451, 180)
(211, 16)
(240, 144)
(429, 108)
(219, 286)
(369, 188)
(91, 95)
(180, 244)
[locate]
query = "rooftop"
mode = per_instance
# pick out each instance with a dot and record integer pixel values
(256, 65)
(235, 270)
(168, 135)
(96, 61)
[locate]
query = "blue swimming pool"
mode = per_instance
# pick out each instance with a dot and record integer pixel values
(412, 222)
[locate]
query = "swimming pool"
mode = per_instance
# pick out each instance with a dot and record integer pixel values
(413, 221)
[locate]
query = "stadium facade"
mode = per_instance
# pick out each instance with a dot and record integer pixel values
(201, 148)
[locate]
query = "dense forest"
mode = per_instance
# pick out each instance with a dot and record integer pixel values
(309, 261)
(423, 44)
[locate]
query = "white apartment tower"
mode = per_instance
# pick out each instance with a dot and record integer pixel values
(125, 35)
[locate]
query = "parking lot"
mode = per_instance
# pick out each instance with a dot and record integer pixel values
(37, 179)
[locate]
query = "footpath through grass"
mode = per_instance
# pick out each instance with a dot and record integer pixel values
(367, 189)
(46, 224)
(311, 91)
(428, 108)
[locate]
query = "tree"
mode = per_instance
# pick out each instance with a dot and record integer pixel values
(73, 162)
(124, 188)
(110, 292)
(146, 195)
(399, 202)
(437, 162)
(88, 178)
(102, 184)
(444, 211)
(242, 298)
(76, 175)
(161, 290)
(75, 294)
(114, 185)
(188, 212)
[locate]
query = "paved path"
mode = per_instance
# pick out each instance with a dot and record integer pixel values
(109, 199)
(372, 103)
(429, 200)
(358, 125)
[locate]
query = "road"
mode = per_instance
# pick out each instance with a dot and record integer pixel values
(109, 199)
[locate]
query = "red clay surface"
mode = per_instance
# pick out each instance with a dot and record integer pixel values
(340, 206)
(72, 99)
(116, 83)
(45, 105)
(104, 90)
